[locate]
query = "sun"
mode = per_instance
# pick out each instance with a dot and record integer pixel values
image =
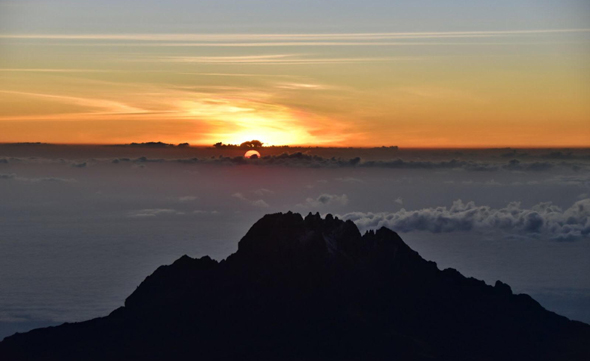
(252, 154)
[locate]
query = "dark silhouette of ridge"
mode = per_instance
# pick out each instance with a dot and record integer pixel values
(313, 289)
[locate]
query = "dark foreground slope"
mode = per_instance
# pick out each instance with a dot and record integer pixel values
(313, 289)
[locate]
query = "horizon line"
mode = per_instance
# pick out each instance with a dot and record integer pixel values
(175, 145)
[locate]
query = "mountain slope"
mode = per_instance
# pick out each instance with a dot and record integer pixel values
(313, 289)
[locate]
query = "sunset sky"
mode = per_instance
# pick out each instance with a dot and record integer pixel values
(330, 73)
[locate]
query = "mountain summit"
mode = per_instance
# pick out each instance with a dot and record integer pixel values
(313, 289)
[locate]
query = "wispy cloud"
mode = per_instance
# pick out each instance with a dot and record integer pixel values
(291, 37)
(108, 106)
(302, 86)
(325, 200)
(263, 191)
(49, 70)
(12, 176)
(187, 198)
(351, 180)
(153, 212)
(260, 203)
(285, 59)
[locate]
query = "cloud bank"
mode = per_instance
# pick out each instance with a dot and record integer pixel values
(541, 220)
(304, 160)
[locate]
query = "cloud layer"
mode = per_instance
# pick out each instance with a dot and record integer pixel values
(543, 219)
(304, 160)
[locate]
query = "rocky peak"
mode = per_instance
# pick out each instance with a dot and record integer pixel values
(282, 237)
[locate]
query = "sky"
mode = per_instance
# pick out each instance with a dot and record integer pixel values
(330, 73)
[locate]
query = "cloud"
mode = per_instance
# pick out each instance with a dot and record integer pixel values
(239, 196)
(79, 165)
(187, 198)
(50, 179)
(304, 160)
(153, 212)
(54, 70)
(148, 160)
(349, 180)
(7, 176)
(256, 203)
(325, 200)
(581, 180)
(517, 165)
(274, 59)
(289, 37)
(543, 219)
(237, 59)
(107, 106)
(301, 86)
(564, 155)
(260, 203)
(202, 212)
(263, 191)
(12, 176)
(399, 201)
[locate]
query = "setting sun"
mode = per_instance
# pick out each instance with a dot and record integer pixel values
(252, 154)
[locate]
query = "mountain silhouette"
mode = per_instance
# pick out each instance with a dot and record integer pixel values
(313, 289)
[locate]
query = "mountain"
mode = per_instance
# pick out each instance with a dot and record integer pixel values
(313, 289)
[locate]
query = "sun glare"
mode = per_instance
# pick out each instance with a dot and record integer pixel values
(270, 131)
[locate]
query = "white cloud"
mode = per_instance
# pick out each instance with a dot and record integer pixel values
(7, 176)
(12, 176)
(263, 191)
(153, 212)
(259, 203)
(541, 219)
(255, 203)
(187, 198)
(349, 180)
(201, 212)
(325, 200)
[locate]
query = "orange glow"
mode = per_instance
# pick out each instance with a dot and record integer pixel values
(237, 120)
(474, 96)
